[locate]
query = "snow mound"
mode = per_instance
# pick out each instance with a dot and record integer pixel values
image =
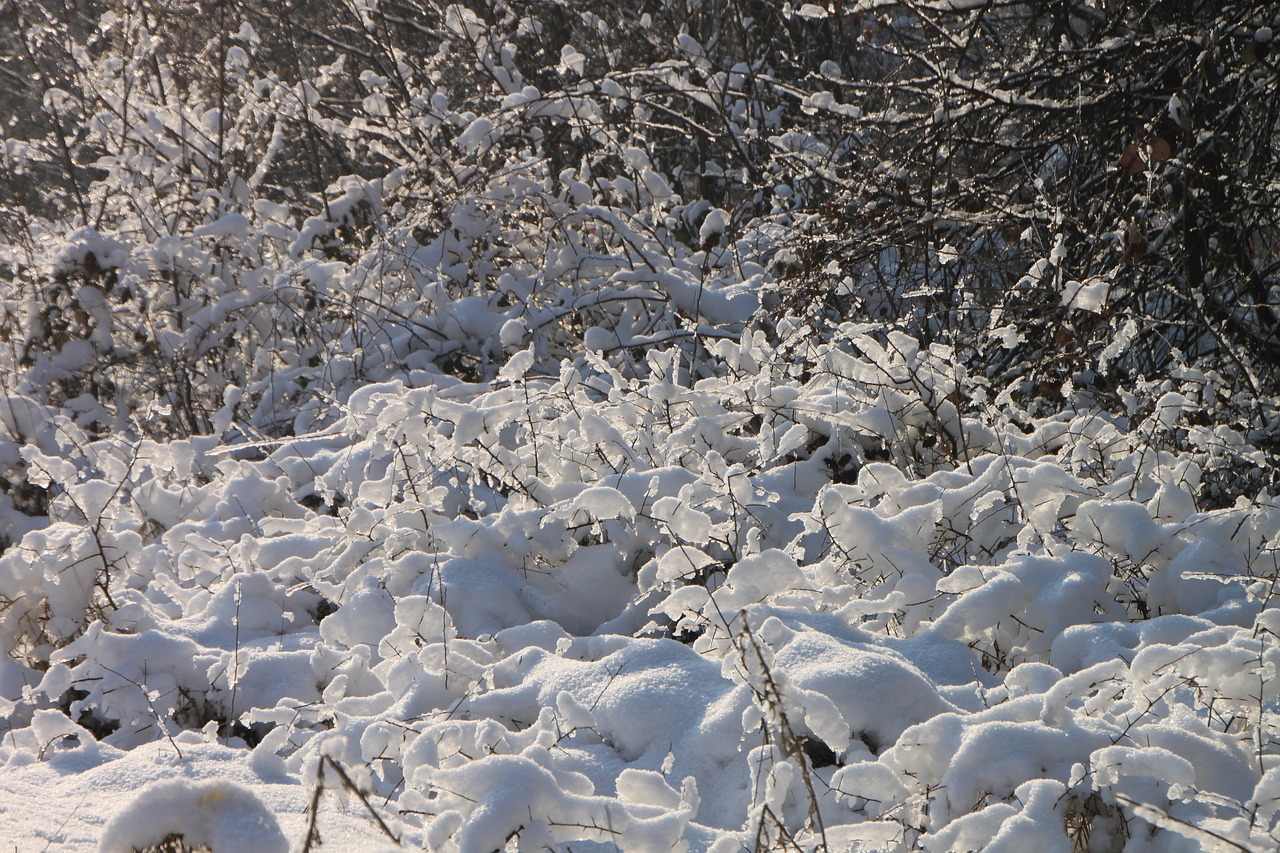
(216, 813)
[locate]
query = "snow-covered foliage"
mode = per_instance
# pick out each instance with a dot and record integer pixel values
(803, 598)
(469, 428)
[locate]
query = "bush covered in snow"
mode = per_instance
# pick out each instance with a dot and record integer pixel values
(798, 599)
(470, 428)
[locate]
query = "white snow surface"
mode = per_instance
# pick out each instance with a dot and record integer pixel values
(631, 609)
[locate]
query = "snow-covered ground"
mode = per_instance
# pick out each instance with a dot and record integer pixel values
(801, 602)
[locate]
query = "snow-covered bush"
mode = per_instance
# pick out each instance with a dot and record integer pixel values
(511, 419)
(661, 612)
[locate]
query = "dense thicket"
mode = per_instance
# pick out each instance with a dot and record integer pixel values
(1099, 176)
(861, 416)
(1072, 194)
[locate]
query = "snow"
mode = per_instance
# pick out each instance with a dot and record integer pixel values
(713, 225)
(84, 796)
(512, 667)
(1088, 296)
(601, 655)
(544, 528)
(476, 136)
(217, 813)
